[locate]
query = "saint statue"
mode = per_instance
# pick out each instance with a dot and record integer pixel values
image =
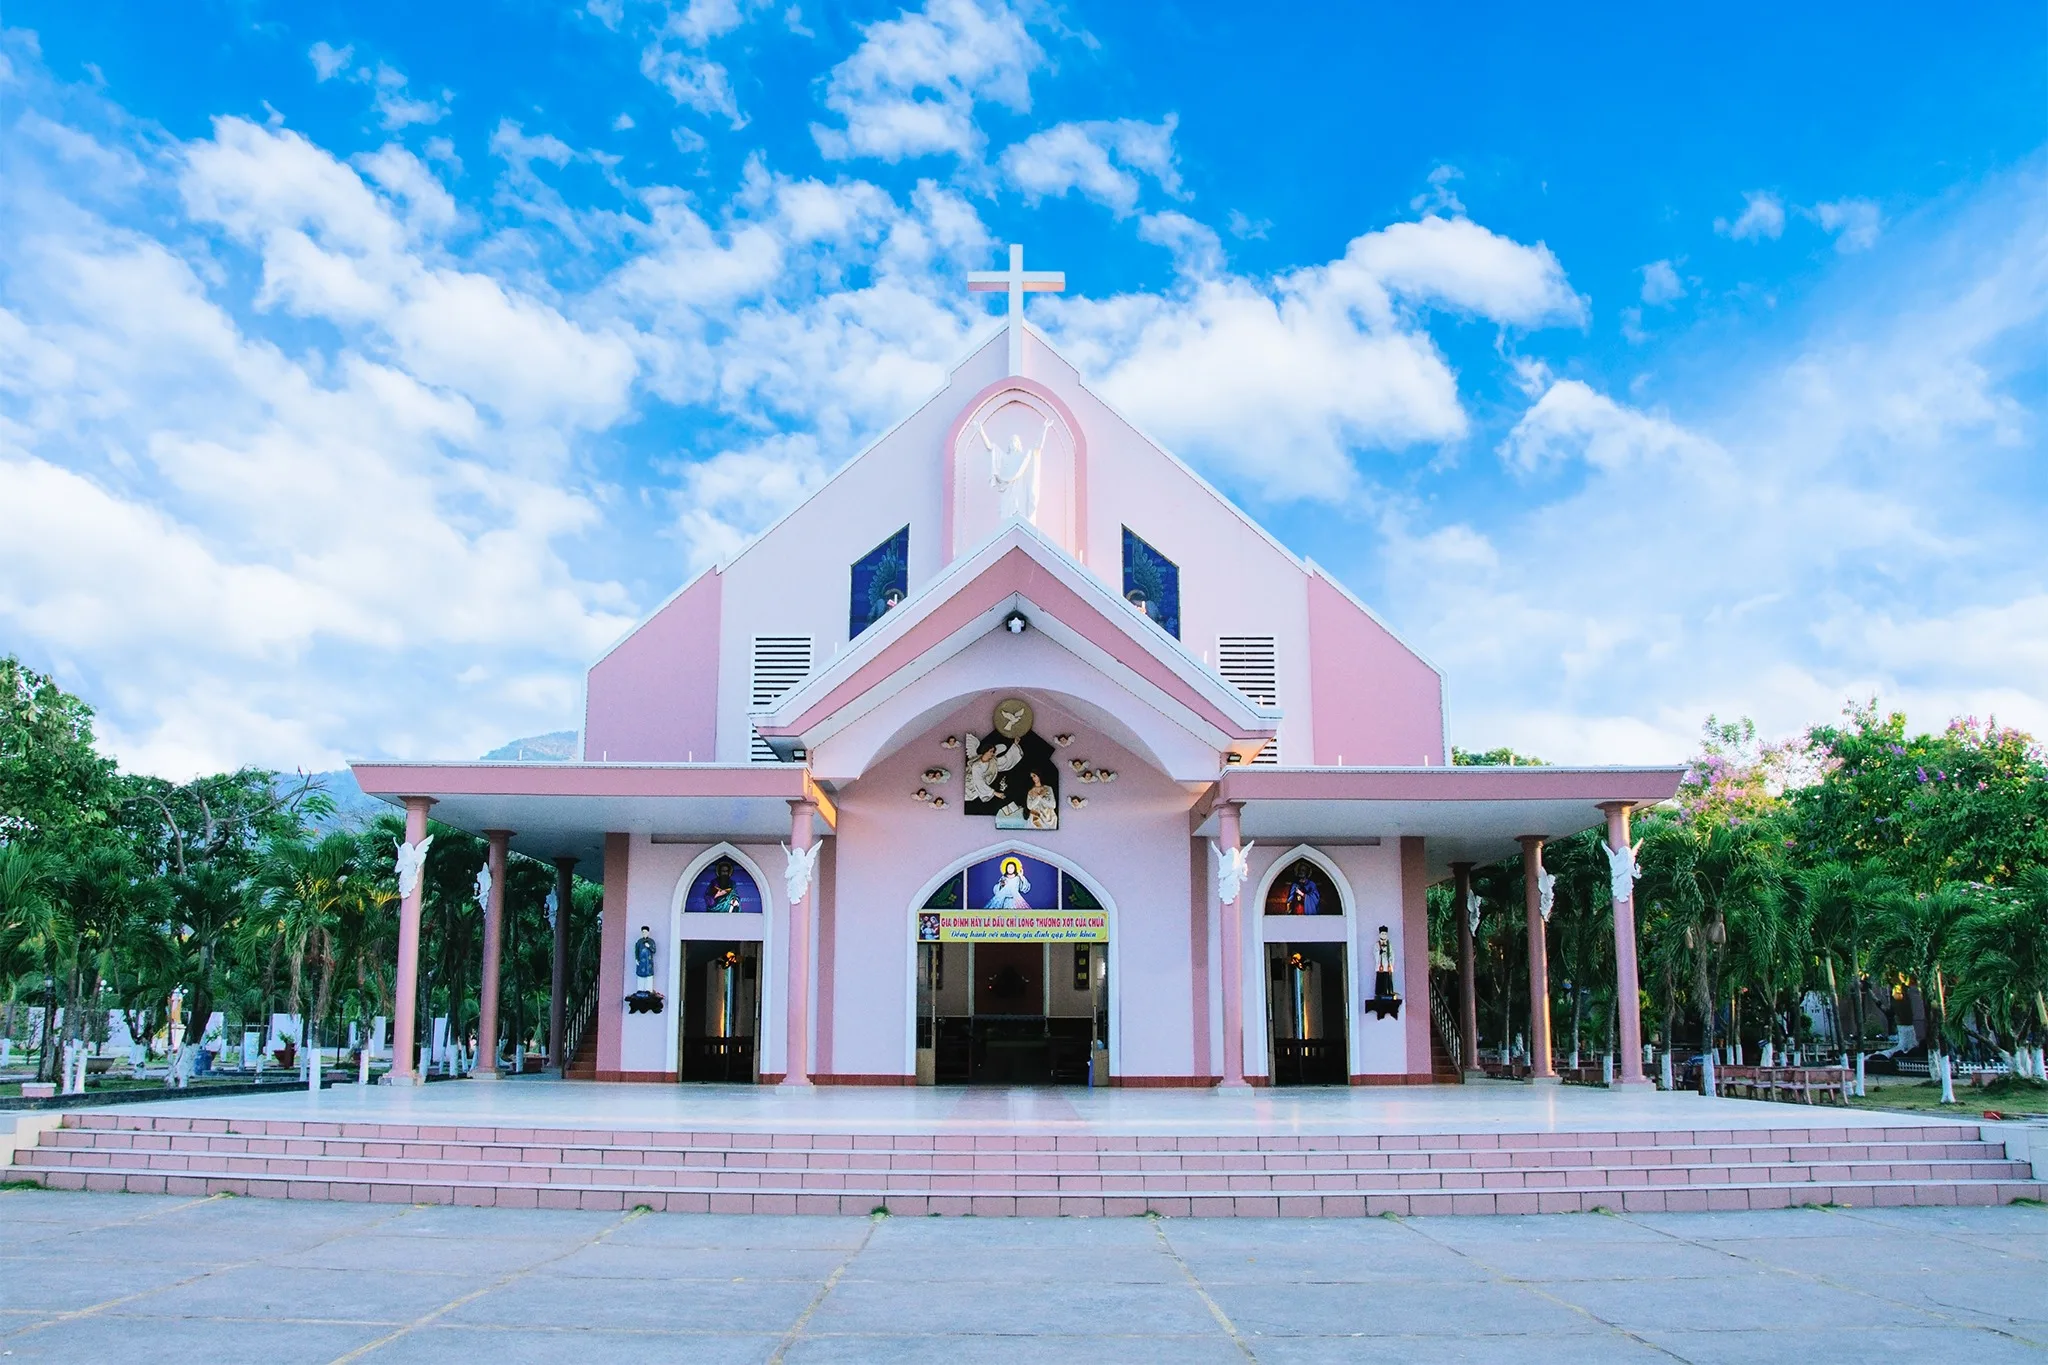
(1013, 472)
(1010, 887)
(643, 958)
(1042, 805)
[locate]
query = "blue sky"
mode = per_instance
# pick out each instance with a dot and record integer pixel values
(365, 369)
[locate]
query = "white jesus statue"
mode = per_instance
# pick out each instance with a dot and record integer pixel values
(1013, 472)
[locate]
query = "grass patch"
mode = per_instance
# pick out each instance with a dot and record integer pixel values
(20, 1185)
(2006, 1094)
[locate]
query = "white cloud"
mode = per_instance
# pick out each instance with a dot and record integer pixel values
(1661, 284)
(1277, 384)
(329, 60)
(1098, 159)
(1246, 228)
(1572, 421)
(1454, 263)
(910, 88)
(1855, 223)
(1763, 215)
(1813, 530)
(622, 123)
(1197, 251)
(397, 108)
(1440, 197)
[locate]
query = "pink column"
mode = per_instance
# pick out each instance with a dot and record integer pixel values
(558, 977)
(1468, 977)
(1228, 837)
(494, 952)
(1540, 1069)
(405, 988)
(1628, 997)
(797, 1035)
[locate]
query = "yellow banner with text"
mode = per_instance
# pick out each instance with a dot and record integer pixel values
(1013, 926)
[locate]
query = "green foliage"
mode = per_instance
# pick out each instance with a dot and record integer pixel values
(1493, 758)
(1969, 804)
(53, 781)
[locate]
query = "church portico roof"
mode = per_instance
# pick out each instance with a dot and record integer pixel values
(1465, 814)
(1017, 574)
(564, 810)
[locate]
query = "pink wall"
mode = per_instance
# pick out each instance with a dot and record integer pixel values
(1130, 840)
(654, 698)
(1376, 701)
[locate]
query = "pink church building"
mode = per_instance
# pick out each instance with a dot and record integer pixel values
(1017, 754)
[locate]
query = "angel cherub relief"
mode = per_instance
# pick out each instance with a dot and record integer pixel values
(985, 766)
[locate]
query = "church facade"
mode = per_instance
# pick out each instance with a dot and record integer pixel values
(1015, 754)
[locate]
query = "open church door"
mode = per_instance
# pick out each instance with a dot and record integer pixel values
(721, 1011)
(1305, 1008)
(1013, 978)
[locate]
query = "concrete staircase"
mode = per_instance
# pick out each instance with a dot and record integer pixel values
(918, 1173)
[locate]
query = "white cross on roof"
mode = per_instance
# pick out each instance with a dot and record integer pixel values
(1016, 281)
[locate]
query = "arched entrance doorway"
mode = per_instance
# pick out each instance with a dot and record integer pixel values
(718, 973)
(1013, 974)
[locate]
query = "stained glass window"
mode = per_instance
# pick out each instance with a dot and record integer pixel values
(881, 579)
(1152, 583)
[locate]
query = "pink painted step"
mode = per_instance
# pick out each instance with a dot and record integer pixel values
(1020, 1173)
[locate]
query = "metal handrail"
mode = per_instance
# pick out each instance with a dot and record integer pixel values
(578, 1025)
(1446, 1024)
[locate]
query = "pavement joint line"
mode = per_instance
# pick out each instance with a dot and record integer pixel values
(803, 1319)
(435, 1314)
(94, 1310)
(1201, 1291)
(1935, 1312)
(1536, 1288)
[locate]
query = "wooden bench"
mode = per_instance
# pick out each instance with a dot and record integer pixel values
(1791, 1084)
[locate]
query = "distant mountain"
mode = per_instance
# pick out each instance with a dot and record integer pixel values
(353, 808)
(558, 747)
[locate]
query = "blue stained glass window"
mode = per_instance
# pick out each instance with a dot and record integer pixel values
(1152, 583)
(881, 579)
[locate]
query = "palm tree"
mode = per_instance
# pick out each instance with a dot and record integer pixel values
(1999, 955)
(1913, 937)
(35, 929)
(306, 896)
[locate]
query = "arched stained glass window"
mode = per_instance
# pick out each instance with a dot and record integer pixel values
(723, 888)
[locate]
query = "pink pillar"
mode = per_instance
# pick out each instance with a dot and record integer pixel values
(1468, 972)
(1228, 837)
(1540, 1069)
(1628, 996)
(796, 1044)
(494, 952)
(405, 988)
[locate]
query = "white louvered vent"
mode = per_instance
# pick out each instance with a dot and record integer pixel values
(780, 663)
(1250, 663)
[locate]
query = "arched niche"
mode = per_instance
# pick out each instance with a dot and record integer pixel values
(1017, 413)
(742, 927)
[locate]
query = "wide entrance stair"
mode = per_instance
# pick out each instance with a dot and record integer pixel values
(920, 1173)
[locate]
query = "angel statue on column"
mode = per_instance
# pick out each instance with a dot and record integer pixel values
(483, 888)
(411, 858)
(1233, 870)
(1546, 892)
(796, 874)
(1472, 910)
(1013, 472)
(1623, 870)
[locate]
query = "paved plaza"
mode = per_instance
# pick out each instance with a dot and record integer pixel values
(108, 1277)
